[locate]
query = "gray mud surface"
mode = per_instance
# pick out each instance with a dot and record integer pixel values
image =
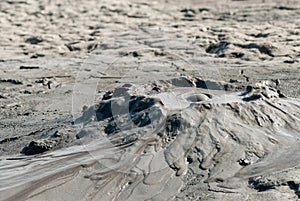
(150, 100)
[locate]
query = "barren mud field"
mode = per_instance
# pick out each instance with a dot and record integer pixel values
(139, 100)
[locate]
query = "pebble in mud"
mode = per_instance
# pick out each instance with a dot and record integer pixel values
(34, 40)
(244, 162)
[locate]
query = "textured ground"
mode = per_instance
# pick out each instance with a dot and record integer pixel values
(58, 56)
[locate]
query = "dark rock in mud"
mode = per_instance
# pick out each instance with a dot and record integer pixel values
(111, 128)
(37, 147)
(173, 124)
(140, 103)
(104, 110)
(140, 112)
(295, 187)
(217, 49)
(34, 40)
(141, 119)
(135, 54)
(261, 186)
(244, 162)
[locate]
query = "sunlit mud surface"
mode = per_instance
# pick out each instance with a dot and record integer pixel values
(73, 128)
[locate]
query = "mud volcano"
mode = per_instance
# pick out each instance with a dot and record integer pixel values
(179, 139)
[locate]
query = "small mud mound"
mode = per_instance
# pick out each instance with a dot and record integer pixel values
(231, 135)
(143, 141)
